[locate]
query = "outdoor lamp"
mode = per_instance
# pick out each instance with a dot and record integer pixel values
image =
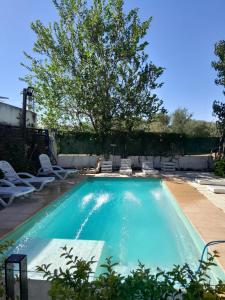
(30, 91)
(30, 96)
(27, 93)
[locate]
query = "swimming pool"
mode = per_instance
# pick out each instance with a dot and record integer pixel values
(130, 219)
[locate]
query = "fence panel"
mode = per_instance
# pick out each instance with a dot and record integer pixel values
(137, 143)
(22, 154)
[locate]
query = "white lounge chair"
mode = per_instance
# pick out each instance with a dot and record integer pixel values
(125, 167)
(148, 168)
(168, 166)
(23, 178)
(211, 181)
(106, 166)
(217, 189)
(47, 168)
(9, 191)
(95, 170)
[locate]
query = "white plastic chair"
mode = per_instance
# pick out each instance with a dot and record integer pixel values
(125, 167)
(168, 166)
(148, 168)
(9, 191)
(106, 166)
(28, 179)
(47, 168)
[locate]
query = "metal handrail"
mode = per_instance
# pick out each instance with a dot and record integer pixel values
(206, 246)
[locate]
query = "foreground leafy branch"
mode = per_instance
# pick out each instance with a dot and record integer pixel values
(3, 247)
(179, 283)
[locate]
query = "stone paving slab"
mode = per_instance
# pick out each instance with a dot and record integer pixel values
(51, 250)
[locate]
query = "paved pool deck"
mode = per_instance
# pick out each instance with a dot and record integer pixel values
(206, 218)
(205, 211)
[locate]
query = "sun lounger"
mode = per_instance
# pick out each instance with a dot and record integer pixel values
(9, 191)
(47, 168)
(95, 170)
(148, 169)
(125, 167)
(217, 189)
(106, 166)
(168, 167)
(23, 178)
(212, 181)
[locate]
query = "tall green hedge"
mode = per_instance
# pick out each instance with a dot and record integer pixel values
(137, 143)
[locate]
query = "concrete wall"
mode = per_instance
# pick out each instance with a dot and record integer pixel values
(79, 161)
(187, 162)
(11, 115)
(37, 290)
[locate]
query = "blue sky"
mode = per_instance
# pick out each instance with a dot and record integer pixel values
(181, 37)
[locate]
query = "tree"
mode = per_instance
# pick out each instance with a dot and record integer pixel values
(219, 107)
(183, 123)
(179, 120)
(91, 67)
(219, 65)
(219, 112)
(199, 128)
(161, 123)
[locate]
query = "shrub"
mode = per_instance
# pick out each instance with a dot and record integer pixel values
(219, 167)
(3, 248)
(140, 284)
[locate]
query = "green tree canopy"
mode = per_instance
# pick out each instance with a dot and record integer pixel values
(180, 119)
(91, 67)
(218, 106)
(199, 128)
(219, 65)
(181, 122)
(161, 123)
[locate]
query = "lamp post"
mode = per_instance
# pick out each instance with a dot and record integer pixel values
(27, 92)
(21, 261)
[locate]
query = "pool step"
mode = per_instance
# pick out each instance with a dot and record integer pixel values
(48, 251)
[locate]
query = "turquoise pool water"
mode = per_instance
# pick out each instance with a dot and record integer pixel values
(128, 219)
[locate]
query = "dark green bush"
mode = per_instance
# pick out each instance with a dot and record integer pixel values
(219, 167)
(3, 247)
(140, 284)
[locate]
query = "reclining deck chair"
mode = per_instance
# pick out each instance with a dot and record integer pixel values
(148, 168)
(23, 178)
(125, 167)
(47, 168)
(9, 191)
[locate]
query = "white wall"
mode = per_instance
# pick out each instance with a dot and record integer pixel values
(11, 115)
(186, 162)
(79, 161)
